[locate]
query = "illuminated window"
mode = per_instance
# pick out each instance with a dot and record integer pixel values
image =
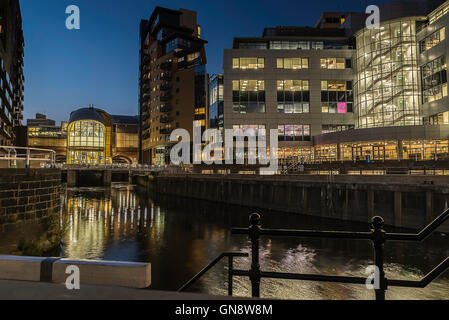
(335, 63)
(293, 96)
(293, 63)
(434, 80)
(294, 132)
(248, 63)
(432, 40)
(248, 96)
(336, 96)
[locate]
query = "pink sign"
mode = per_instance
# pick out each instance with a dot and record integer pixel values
(341, 107)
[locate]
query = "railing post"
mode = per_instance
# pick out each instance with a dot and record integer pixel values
(379, 239)
(254, 234)
(230, 274)
(28, 158)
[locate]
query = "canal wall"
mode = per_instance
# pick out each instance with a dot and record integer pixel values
(27, 194)
(403, 201)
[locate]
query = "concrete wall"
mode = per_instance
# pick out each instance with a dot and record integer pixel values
(28, 193)
(403, 201)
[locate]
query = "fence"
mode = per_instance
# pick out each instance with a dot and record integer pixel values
(21, 157)
(377, 236)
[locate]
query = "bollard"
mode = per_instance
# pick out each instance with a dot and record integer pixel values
(254, 234)
(379, 239)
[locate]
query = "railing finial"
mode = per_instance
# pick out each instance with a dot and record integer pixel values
(377, 223)
(255, 219)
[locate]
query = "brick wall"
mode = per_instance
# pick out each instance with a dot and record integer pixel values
(27, 194)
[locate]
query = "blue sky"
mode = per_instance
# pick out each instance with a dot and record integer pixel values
(98, 64)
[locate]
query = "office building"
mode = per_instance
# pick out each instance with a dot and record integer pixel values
(344, 92)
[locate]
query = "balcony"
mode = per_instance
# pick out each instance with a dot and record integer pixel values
(166, 108)
(166, 130)
(165, 119)
(145, 97)
(166, 76)
(165, 97)
(145, 117)
(145, 127)
(146, 58)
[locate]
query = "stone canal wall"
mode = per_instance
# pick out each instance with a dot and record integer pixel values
(403, 201)
(27, 194)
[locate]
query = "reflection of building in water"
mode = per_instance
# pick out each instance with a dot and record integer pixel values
(94, 224)
(95, 137)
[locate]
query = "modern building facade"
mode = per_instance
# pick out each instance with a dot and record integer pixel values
(216, 103)
(96, 138)
(347, 93)
(173, 81)
(297, 80)
(43, 133)
(11, 70)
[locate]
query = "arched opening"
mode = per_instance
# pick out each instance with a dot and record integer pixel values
(121, 160)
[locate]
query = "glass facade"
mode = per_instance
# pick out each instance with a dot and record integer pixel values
(432, 40)
(294, 132)
(387, 79)
(248, 63)
(293, 96)
(416, 150)
(434, 80)
(248, 96)
(336, 96)
(86, 143)
(335, 63)
(292, 63)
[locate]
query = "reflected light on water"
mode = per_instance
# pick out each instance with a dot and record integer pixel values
(179, 237)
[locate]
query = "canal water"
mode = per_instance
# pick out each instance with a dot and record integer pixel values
(181, 236)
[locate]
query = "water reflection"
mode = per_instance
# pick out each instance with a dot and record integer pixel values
(180, 236)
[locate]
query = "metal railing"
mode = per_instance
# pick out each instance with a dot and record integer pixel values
(377, 236)
(21, 157)
(230, 256)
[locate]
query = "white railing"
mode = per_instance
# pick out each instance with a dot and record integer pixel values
(115, 166)
(21, 157)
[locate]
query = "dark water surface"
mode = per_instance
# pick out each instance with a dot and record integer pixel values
(181, 236)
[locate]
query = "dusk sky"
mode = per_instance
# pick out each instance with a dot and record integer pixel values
(98, 64)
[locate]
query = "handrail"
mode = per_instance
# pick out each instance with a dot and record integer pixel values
(230, 255)
(12, 154)
(424, 234)
(309, 234)
(377, 235)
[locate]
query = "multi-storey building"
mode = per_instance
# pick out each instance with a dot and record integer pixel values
(173, 81)
(297, 80)
(11, 70)
(43, 133)
(347, 93)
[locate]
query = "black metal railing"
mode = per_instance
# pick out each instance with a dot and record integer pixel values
(377, 236)
(230, 256)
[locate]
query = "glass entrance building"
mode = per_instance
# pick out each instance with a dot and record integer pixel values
(95, 137)
(89, 137)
